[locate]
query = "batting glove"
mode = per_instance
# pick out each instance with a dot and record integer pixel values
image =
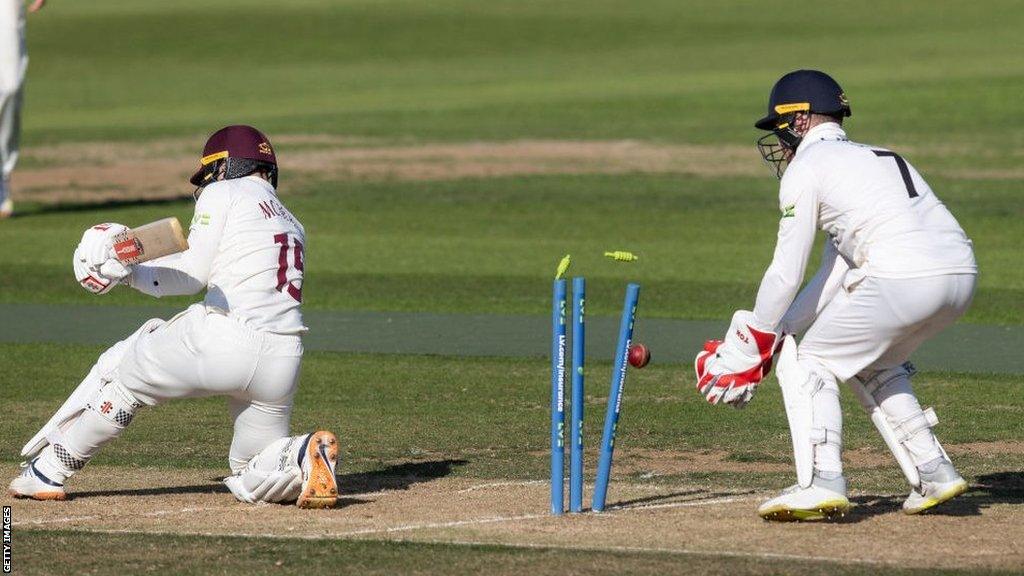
(94, 264)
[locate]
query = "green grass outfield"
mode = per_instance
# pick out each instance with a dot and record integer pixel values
(941, 83)
(142, 553)
(458, 69)
(491, 246)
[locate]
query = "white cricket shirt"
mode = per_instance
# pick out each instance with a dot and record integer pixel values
(246, 249)
(879, 213)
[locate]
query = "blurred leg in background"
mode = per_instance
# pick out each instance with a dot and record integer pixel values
(13, 62)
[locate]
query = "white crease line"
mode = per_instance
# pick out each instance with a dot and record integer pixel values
(155, 513)
(502, 484)
(358, 495)
(498, 519)
(392, 529)
(39, 522)
(684, 504)
(451, 524)
(490, 520)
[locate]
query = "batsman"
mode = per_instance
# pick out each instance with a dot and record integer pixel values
(896, 270)
(245, 249)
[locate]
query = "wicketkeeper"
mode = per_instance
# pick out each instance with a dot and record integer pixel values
(243, 341)
(897, 269)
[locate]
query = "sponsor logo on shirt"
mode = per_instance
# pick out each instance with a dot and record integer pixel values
(789, 211)
(201, 219)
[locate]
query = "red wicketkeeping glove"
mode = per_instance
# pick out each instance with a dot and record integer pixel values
(728, 371)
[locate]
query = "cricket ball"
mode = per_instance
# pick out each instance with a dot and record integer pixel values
(639, 355)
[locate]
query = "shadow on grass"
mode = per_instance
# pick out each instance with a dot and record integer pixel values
(988, 489)
(669, 499)
(396, 476)
(998, 488)
(29, 208)
(217, 488)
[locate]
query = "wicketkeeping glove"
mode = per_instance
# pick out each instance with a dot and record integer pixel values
(729, 370)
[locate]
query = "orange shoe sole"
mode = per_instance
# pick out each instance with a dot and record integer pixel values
(320, 489)
(40, 495)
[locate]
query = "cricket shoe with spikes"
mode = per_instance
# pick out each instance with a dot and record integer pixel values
(318, 459)
(822, 500)
(33, 484)
(937, 486)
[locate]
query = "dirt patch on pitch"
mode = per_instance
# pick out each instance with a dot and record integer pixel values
(102, 171)
(531, 157)
(105, 171)
(679, 462)
(987, 448)
(406, 505)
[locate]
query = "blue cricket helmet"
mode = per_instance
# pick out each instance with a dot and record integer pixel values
(804, 91)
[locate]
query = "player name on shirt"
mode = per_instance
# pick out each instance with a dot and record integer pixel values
(274, 209)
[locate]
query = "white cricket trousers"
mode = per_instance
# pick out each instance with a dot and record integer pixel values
(874, 324)
(206, 352)
(877, 323)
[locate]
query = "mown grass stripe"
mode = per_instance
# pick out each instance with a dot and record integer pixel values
(970, 348)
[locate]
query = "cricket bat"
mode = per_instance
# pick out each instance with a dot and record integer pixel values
(149, 241)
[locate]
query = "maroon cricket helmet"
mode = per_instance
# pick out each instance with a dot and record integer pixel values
(241, 148)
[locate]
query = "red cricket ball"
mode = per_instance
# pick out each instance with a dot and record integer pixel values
(639, 355)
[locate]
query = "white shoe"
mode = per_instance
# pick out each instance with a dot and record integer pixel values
(816, 502)
(6, 208)
(936, 487)
(32, 484)
(318, 459)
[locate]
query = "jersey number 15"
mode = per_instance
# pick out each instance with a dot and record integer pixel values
(284, 283)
